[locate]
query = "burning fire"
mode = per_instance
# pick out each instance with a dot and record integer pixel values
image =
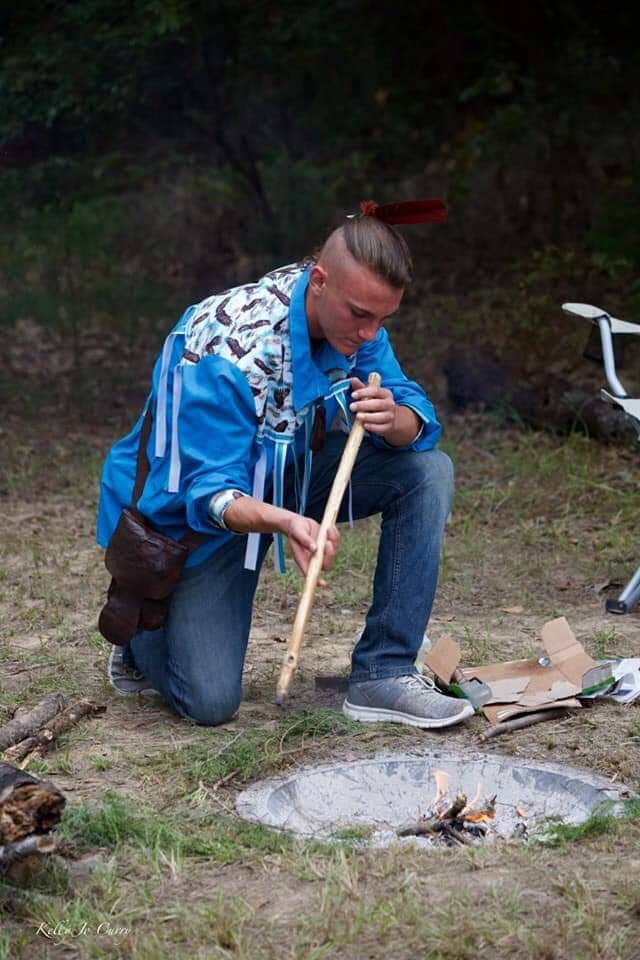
(441, 803)
(456, 822)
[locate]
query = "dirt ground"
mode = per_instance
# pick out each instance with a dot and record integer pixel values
(542, 527)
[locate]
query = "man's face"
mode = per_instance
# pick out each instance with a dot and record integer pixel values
(347, 303)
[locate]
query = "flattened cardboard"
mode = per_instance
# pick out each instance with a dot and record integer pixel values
(507, 690)
(524, 686)
(569, 656)
(510, 669)
(498, 713)
(443, 658)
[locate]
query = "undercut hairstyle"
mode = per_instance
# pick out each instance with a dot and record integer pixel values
(379, 247)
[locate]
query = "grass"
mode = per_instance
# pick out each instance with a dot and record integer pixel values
(115, 821)
(248, 754)
(604, 821)
(538, 522)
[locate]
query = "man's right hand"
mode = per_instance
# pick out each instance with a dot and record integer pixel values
(302, 534)
(247, 515)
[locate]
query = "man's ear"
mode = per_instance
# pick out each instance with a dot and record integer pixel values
(317, 278)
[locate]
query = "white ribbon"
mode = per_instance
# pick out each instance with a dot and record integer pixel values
(161, 406)
(174, 462)
(253, 540)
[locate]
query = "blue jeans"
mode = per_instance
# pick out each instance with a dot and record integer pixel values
(196, 659)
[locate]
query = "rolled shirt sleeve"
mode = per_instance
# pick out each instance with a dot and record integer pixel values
(378, 355)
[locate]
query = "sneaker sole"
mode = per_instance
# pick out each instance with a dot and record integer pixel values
(379, 715)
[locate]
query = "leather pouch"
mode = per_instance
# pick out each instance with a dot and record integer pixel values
(145, 566)
(144, 563)
(147, 563)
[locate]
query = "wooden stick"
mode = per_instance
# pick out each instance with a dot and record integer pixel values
(518, 723)
(456, 807)
(340, 482)
(29, 723)
(417, 828)
(42, 739)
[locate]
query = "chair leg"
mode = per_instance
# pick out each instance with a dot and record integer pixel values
(628, 598)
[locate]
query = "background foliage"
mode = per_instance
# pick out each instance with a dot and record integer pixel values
(153, 152)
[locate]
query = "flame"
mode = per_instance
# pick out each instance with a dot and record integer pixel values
(482, 816)
(442, 789)
(487, 813)
(473, 801)
(441, 802)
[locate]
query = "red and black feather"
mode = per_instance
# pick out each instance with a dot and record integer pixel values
(431, 210)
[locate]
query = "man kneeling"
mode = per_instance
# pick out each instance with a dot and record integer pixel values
(238, 458)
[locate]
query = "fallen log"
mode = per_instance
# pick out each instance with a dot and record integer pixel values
(29, 723)
(27, 805)
(42, 739)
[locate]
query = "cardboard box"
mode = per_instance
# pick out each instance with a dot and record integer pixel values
(524, 686)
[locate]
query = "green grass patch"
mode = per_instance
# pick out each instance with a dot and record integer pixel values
(254, 752)
(603, 821)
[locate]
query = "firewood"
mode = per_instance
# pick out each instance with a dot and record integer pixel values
(475, 815)
(456, 807)
(417, 828)
(458, 835)
(41, 740)
(29, 723)
(27, 805)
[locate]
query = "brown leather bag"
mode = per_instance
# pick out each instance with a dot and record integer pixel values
(145, 565)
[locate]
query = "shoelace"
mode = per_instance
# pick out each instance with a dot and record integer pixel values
(419, 680)
(132, 672)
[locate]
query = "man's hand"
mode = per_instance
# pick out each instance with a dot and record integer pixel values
(302, 533)
(376, 408)
(248, 515)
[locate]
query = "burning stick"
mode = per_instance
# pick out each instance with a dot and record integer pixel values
(340, 482)
(455, 823)
(485, 813)
(420, 827)
(456, 808)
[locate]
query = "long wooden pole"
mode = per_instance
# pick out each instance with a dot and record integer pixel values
(340, 482)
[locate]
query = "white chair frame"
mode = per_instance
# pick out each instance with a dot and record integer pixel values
(608, 326)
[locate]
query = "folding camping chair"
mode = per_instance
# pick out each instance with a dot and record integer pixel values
(610, 327)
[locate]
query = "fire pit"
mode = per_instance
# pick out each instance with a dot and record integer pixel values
(387, 797)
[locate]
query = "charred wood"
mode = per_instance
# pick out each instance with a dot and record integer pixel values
(27, 805)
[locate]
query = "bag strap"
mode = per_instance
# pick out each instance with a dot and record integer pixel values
(142, 464)
(191, 538)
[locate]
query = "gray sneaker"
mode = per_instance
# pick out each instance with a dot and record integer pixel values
(411, 699)
(123, 676)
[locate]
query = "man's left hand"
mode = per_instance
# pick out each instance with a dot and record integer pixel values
(376, 408)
